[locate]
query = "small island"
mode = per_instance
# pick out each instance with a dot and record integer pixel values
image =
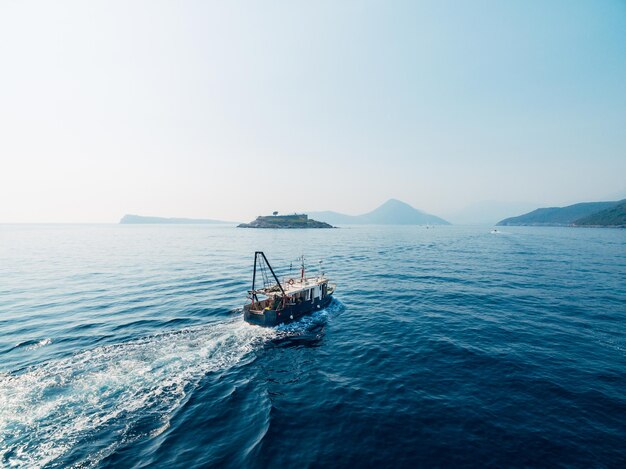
(295, 221)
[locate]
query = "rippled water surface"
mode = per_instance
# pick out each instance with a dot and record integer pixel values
(124, 345)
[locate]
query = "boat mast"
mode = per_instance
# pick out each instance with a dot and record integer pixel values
(257, 253)
(254, 297)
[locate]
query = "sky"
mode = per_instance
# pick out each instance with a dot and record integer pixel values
(229, 110)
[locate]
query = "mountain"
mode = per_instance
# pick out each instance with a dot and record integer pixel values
(392, 212)
(612, 216)
(557, 216)
(141, 220)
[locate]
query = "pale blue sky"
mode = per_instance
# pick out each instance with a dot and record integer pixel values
(232, 109)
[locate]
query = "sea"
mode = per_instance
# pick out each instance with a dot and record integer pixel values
(445, 346)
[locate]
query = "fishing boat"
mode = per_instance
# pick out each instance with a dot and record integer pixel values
(279, 302)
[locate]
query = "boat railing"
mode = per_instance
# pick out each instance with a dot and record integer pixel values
(317, 278)
(258, 305)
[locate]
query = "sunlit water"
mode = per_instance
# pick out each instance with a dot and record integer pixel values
(124, 346)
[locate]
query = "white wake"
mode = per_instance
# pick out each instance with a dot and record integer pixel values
(48, 410)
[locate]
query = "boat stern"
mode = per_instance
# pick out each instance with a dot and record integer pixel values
(266, 317)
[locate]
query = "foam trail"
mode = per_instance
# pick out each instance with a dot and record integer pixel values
(48, 410)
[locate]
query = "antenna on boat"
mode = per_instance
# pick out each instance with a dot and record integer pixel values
(321, 268)
(302, 271)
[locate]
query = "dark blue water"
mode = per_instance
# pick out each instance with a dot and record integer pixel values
(123, 346)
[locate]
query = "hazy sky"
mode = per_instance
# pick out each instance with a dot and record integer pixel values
(232, 109)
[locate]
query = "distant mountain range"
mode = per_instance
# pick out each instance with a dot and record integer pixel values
(392, 212)
(141, 220)
(395, 212)
(583, 214)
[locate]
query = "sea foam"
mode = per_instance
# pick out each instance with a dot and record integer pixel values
(48, 409)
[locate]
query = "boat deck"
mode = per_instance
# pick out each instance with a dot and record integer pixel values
(291, 289)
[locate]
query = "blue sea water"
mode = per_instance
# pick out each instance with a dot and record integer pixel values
(124, 346)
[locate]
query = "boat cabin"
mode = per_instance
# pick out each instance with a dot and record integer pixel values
(296, 291)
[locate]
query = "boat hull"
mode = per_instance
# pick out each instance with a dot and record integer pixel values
(270, 317)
